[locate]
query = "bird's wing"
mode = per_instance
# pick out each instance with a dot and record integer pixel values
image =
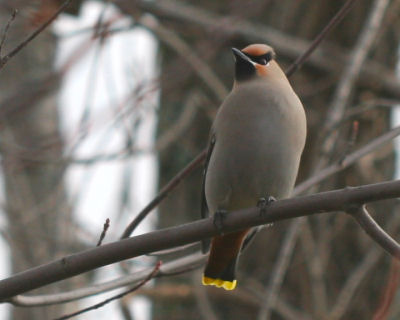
(205, 244)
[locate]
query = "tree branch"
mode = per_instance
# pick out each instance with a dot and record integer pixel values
(176, 43)
(347, 160)
(5, 32)
(23, 44)
(352, 71)
(164, 193)
(375, 231)
(166, 269)
(321, 36)
(278, 273)
(118, 296)
(187, 261)
(81, 262)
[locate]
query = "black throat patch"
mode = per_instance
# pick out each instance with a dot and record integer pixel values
(244, 70)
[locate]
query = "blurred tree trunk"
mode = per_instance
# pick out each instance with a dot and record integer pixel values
(36, 206)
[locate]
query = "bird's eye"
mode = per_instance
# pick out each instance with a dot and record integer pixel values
(263, 62)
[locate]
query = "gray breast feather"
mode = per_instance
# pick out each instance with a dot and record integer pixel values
(258, 147)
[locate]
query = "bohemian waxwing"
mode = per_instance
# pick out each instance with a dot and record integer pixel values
(254, 151)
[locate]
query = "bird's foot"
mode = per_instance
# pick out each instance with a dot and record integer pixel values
(218, 219)
(263, 204)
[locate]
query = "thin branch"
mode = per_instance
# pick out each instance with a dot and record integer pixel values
(126, 313)
(345, 296)
(375, 231)
(18, 48)
(118, 296)
(282, 307)
(369, 105)
(93, 258)
(184, 121)
(174, 250)
(347, 161)
(338, 17)
(351, 72)
(243, 296)
(103, 233)
(312, 256)
(278, 273)
(204, 305)
(203, 69)
(351, 142)
(195, 163)
(177, 265)
(7, 27)
(389, 293)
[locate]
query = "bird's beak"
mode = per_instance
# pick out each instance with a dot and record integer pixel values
(244, 67)
(240, 56)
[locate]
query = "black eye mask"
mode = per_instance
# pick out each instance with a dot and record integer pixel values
(262, 59)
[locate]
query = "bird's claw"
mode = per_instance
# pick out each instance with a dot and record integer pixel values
(218, 220)
(263, 203)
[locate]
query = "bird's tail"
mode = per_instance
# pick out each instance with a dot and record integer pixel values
(221, 265)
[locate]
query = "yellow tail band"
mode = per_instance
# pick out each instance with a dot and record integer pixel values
(219, 283)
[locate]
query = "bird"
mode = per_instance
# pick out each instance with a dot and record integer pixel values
(254, 152)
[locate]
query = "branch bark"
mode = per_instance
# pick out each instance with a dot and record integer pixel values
(166, 269)
(375, 231)
(75, 264)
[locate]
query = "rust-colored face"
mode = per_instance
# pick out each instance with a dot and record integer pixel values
(252, 61)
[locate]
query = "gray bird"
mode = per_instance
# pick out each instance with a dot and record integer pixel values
(254, 152)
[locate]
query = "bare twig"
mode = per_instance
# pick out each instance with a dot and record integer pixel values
(389, 292)
(352, 70)
(278, 273)
(181, 124)
(126, 313)
(5, 32)
(282, 307)
(103, 233)
(375, 231)
(174, 250)
(344, 298)
(370, 104)
(321, 36)
(118, 296)
(311, 252)
(347, 161)
(351, 142)
(249, 296)
(203, 303)
(187, 53)
(18, 48)
(166, 269)
(195, 163)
